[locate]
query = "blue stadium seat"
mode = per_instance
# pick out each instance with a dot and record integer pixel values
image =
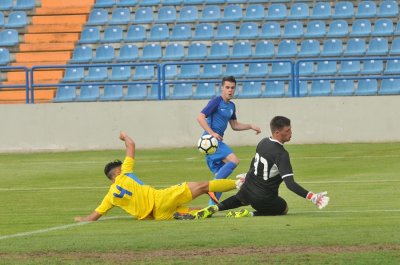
(343, 87)
(98, 16)
(344, 9)
(171, 71)
(136, 33)
(293, 29)
(395, 48)
(306, 68)
(320, 88)
(151, 52)
(361, 27)
(181, 91)
(303, 89)
(172, 2)
(204, 91)
(355, 47)
(104, 53)
(174, 51)
(136, 92)
(372, 67)
(6, 5)
(248, 30)
(143, 72)
(149, 2)
(378, 46)
(388, 9)
(203, 31)
(326, 68)
(112, 93)
(24, 4)
(112, 34)
(338, 28)
(321, 10)
(65, 94)
(129, 3)
(390, 86)
(366, 9)
(166, 14)
(159, 32)
(2, 20)
(192, 2)
(213, 1)
(144, 15)
(74, 74)
(197, 51)
(104, 3)
(270, 30)
(392, 67)
(332, 47)
(89, 93)
(235, 69)
(188, 14)
(4, 56)
(120, 73)
(181, 32)
(367, 87)
(254, 12)
(397, 29)
(350, 67)
(315, 28)
(128, 53)
(210, 13)
(219, 50)
(257, 70)
(189, 71)
(120, 16)
(153, 94)
(16, 19)
(212, 71)
(299, 11)
(232, 13)
(274, 89)
(96, 73)
(9, 37)
(226, 31)
(280, 69)
(276, 12)
(309, 48)
(287, 48)
(90, 35)
(82, 54)
(383, 27)
(241, 50)
(264, 49)
(251, 90)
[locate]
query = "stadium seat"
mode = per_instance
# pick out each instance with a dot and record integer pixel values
(367, 87)
(188, 14)
(303, 89)
(270, 30)
(338, 28)
(16, 19)
(136, 92)
(136, 33)
(299, 11)
(144, 72)
(280, 69)
(372, 67)
(149, 2)
(366, 9)
(24, 5)
(274, 89)
(4, 56)
(251, 90)
(112, 34)
(90, 35)
(388, 9)
(254, 12)
(226, 31)
(204, 91)
(219, 50)
(171, 71)
(326, 68)
(383, 27)
(232, 13)
(203, 31)
(293, 29)
(2, 19)
(159, 32)
(154, 91)
(181, 91)
(181, 32)
(65, 94)
(352, 67)
(151, 52)
(343, 9)
(6, 5)
(361, 27)
(287, 48)
(248, 30)
(320, 88)
(9, 37)
(210, 13)
(276, 12)
(104, 3)
(197, 51)
(235, 69)
(390, 86)
(355, 47)
(212, 70)
(190, 71)
(332, 47)
(257, 70)
(98, 16)
(321, 10)
(96, 73)
(309, 48)
(174, 51)
(264, 49)
(82, 54)
(120, 16)
(104, 53)
(119, 73)
(89, 93)
(378, 46)
(392, 66)
(144, 15)
(395, 48)
(74, 74)
(241, 50)
(306, 68)
(172, 2)
(112, 93)
(192, 2)
(343, 87)
(166, 14)
(212, 1)
(127, 3)
(128, 53)
(315, 28)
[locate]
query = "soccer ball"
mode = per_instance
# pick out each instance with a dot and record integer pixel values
(207, 144)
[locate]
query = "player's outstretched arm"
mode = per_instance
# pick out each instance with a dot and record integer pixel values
(238, 126)
(94, 216)
(202, 120)
(129, 144)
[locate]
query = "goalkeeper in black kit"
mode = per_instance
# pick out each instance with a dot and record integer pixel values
(268, 169)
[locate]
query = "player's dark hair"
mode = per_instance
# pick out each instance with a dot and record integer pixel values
(228, 79)
(278, 122)
(110, 166)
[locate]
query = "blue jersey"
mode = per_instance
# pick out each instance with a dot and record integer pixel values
(218, 114)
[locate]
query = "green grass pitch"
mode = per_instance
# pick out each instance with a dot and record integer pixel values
(40, 193)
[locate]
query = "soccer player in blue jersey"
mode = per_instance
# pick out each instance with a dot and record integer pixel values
(214, 119)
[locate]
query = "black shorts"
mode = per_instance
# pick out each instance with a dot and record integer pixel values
(264, 205)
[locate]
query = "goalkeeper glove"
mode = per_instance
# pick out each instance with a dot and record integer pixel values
(240, 180)
(320, 199)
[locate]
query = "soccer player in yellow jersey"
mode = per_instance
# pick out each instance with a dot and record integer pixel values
(143, 201)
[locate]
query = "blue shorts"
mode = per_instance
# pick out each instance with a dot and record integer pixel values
(215, 161)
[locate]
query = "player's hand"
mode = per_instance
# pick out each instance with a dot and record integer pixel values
(79, 219)
(319, 199)
(217, 136)
(240, 180)
(256, 129)
(122, 135)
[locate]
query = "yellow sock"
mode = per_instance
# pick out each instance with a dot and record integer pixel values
(221, 185)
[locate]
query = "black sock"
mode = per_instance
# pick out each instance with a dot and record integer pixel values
(230, 203)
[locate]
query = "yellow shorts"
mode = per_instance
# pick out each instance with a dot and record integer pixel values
(171, 200)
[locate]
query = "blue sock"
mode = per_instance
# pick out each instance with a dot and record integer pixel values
(223, 173)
